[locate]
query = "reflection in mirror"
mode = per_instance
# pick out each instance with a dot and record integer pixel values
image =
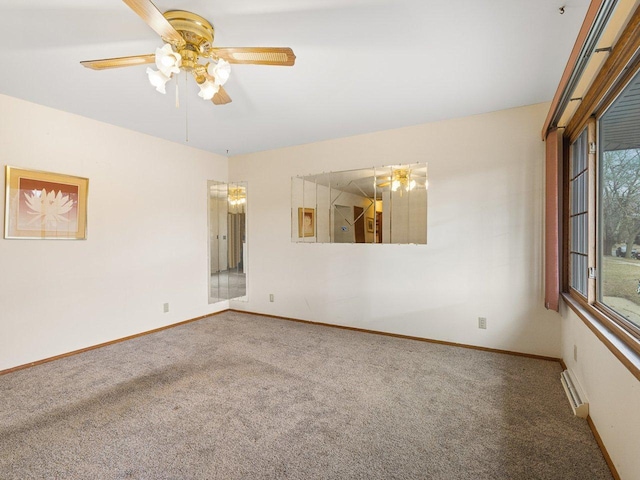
(227, 241)
(371, 205)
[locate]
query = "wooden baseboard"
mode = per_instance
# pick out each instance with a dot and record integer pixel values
(355, 329)
(408, 337)
(603, 449)
(100, 345)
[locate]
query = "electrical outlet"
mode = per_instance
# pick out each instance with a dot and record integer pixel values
(575, 353)
(482, 323)
(166, 307)
(271, 297)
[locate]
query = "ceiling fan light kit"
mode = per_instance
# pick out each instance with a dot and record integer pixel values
(402, 178)
(189, 47)
(210, 77)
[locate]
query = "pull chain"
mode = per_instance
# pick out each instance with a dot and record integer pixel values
(186, 109)
(177, 94)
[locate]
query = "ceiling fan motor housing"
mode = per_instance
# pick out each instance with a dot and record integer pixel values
(197, 33)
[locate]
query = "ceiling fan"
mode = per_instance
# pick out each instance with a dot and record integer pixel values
(188, 40)
(400, 178)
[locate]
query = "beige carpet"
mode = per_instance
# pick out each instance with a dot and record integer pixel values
(237, 396)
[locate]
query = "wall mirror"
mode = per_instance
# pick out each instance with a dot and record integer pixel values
(369, 205)
(227, 241)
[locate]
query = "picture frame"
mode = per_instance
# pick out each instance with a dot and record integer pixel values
(370, 224)
(306, 222)
(44, 205)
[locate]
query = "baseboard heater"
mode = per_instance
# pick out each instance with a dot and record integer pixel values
(578, 405)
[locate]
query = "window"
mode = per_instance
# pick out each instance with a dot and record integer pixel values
(578, 215)
(603, 214)
(592, 250)
(619, 212)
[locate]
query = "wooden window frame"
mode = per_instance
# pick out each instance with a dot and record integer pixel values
(617, 333)
(616, 323)
(570, 178)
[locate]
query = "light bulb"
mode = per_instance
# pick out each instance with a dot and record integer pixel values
(395, 185)
(208, 89)
(157, 79)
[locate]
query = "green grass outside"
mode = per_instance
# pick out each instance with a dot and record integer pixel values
(620, 278)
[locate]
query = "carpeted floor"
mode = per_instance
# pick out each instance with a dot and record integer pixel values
(237, 396)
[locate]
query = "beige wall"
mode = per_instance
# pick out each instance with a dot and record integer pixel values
(612, 391)
(484, 251)
(147, 236)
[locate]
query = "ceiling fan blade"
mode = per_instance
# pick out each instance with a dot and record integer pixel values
(154, 18)
(385, 184)
(221, 97)
(119, 62)
(255, 55)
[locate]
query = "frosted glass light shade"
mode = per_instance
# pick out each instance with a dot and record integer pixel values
(220, 71)
(168, 61)
(208, 89)
(157, 79)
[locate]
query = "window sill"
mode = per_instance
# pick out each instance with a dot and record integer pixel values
(619, 348)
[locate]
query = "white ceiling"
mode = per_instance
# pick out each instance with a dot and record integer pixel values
(362, 65)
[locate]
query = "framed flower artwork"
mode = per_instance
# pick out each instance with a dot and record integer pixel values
(44, 205)
(306, 222)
